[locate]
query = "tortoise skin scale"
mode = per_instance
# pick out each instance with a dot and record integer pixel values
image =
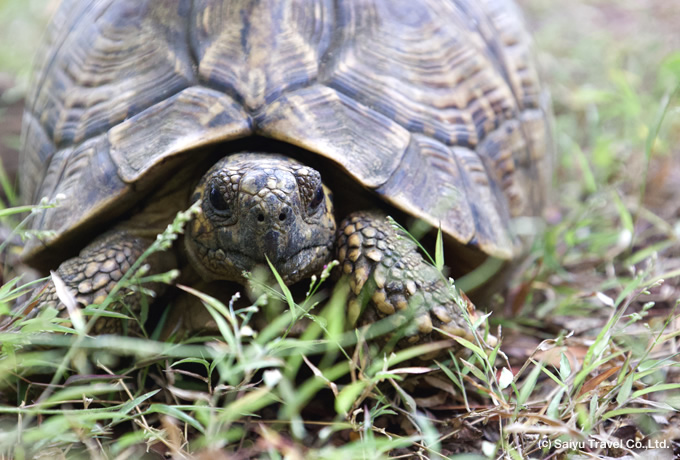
(435, 106)
(259, 208)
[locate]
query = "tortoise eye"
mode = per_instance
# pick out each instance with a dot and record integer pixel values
(217, 200)
(318, 198)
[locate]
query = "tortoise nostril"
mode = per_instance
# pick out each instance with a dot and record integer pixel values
(260, 217)
(282, 216)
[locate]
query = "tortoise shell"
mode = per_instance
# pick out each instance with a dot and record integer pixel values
(435, 106)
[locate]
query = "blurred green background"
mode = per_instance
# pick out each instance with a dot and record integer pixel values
(21, 27)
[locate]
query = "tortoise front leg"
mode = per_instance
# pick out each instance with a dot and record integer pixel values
(93, 274)
(385, 269)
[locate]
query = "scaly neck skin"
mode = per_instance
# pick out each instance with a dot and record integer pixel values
(257, 207)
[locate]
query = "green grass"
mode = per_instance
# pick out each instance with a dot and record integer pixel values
(589, 331)
(213, 393)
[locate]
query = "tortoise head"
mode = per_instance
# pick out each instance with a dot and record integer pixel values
(256, 207)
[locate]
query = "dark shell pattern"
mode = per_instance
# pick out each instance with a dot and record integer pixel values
(435, 105)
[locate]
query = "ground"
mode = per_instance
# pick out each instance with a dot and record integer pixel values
(587, 366)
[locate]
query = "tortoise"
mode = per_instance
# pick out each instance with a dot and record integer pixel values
(256, 110)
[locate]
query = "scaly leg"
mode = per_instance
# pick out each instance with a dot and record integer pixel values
(91, 276)
(386, 270)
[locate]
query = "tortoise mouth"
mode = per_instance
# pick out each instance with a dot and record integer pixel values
(304, 263)
(230, 263)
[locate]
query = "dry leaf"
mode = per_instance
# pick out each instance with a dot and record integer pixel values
(595, 381)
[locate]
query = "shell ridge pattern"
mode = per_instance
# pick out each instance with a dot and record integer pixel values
(492, 46)
(86, 177)
(522, 83)
(364, 142)
(30, 124)
(272, 47)
(96, 78)
(448, 88)
(55, 49)
(39, 218)
(51, 50)
(107, 73)
(491, 228)
(432, 104)
(189, 35)
(194, 117)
